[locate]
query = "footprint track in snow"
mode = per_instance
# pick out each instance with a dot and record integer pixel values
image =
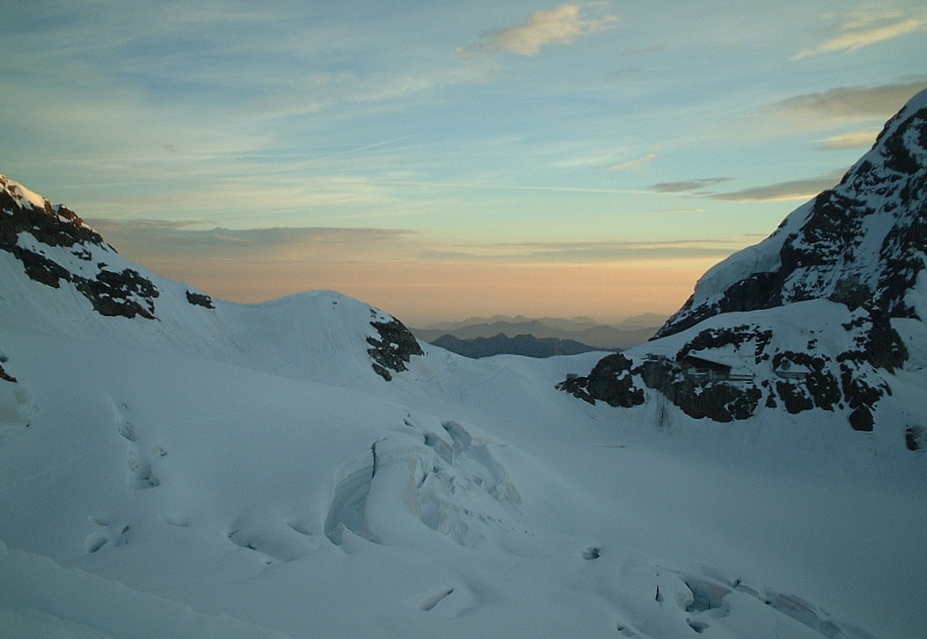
(452, 600)
(429, 602)
(140, 474)
(114, 535)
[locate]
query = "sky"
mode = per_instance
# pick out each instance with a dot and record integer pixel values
(447, 159)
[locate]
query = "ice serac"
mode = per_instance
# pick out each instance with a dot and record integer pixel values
(810, 318)
(58, 264)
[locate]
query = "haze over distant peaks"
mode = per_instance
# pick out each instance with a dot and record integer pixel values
(583, 330)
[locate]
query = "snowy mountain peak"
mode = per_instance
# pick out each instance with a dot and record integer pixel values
(860, 243)
(21, 196)
(54, 264)
(29, 212)
(825, 314)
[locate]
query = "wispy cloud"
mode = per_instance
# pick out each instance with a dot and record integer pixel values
(858, 31)
(164, 242)
(589, 252)
(848, 141)
(634, 164)
(689, 185)
(316, 92)
(682, 210)
(562, 25)
(852, 102)
(784, 191)
(181, 249)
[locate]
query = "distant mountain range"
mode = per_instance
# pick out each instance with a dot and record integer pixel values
(576, 333)
(501, 344)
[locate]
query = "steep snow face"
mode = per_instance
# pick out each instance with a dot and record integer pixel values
(311, 334)
(861, 243)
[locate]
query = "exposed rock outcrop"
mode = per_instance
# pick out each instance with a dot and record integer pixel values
(729, 373)
(55, 246)
(393, 349)
(200, 299)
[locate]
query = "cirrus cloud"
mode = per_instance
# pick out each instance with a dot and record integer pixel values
(863, 32)
(169, 241)
(688, 185)
(635, 163)
(858, 102)
(784, 191)
(602, 252)
(561, 25)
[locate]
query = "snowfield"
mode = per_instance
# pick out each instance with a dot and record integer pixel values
(159, 480)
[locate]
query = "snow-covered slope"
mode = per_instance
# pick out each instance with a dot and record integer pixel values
(173, 465)
(79, 285)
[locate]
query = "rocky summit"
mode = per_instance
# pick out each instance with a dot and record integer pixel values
(819, 316)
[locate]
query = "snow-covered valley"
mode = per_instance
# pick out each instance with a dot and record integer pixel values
(468, 498)
(173, 465)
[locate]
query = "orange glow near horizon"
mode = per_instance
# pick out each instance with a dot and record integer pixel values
(422, 292)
